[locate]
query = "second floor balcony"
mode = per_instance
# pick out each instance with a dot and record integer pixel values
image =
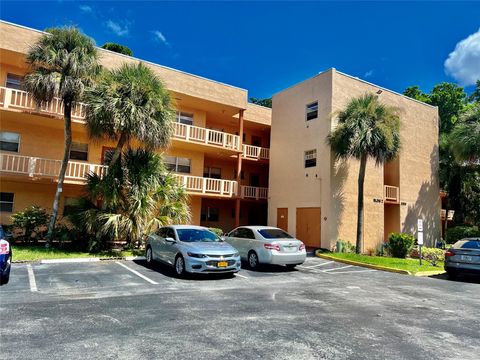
(199, 135)
(253, 192)
(255, 152)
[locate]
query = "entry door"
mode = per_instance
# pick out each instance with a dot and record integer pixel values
(282, 219)
(309, 226)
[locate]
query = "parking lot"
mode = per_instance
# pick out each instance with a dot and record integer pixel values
(323, 309)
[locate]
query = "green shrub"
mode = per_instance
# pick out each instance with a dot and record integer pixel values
(400, 244)
(31, 220)
(430, 254)
(343, 246)
(217, 231)
(459, 232)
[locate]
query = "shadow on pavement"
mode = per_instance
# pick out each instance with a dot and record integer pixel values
(466, 278)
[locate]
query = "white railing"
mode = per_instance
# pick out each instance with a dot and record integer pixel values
(34, 166)
(255, 152)
(206, 136)
(253, 192)
(208, 186)
(22, 100)
(391, 193)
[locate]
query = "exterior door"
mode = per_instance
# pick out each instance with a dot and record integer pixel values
(282, 219)
(309, 226)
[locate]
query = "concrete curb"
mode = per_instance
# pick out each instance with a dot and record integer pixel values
(78, 260)
(429, 273)
(370, 266)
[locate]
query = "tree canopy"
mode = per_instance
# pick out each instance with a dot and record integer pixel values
(118, 48)
(263, 102)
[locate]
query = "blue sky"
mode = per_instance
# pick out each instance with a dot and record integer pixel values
(268, 46)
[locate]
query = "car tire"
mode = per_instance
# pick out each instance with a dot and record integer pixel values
(179, 266)
(452, 274)
(252, 260)
(149, 255)
(5, 278)
(291, 266)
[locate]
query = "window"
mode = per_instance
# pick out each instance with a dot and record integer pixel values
(210, 214)
(79, 151)
(177, 164)
(68, 205)
(212, 172)
(274, 234)
(9, 141)
(310, 158)
(184, 118)
(6, 202)
(244, 233)
(312, 111)
(14, 81)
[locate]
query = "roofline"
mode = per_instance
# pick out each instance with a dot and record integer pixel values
(134, 58)
(301, 82)
(261, 106)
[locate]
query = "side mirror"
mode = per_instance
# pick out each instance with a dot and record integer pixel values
(170, 240)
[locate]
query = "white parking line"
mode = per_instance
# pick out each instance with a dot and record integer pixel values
(242, 276)
(340, 268)
(137, 273)
(353, 271)
(31, 278)
(313, 266)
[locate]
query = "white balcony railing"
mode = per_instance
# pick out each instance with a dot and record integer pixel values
(255, 152)
(38, 167)
(253, 192)
(208, 186)
(206, 136)
(391, 193)
(22, 100)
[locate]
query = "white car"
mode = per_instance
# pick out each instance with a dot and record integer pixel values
(267, 245)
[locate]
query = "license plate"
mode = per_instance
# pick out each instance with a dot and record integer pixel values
(466, 258)
(289, 248)
(222, 264)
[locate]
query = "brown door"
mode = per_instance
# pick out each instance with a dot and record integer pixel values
(309, 226)
(282, 219)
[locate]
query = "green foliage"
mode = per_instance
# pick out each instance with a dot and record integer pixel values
(475, 96)
(464, 140)
(415, 93)
(343, 246)
(450, 99)
(121, 49)
(459, 232)
(263, 102)
(30, 220)
(400, 244)
(430, 254)
(217, 231)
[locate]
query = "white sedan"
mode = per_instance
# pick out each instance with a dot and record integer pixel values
(267, 245)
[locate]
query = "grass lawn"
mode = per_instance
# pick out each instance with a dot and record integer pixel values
(39, 252)
(411, 265)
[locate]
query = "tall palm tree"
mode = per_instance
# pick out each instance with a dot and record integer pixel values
(62, 62)
(465, 137)
(366, 128)
(137, 196)
(130, 103)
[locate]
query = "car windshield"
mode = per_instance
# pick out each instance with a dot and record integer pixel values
(197, 235)
(467, 244)
(274, 234)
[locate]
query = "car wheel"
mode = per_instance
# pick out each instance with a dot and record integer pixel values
(291, 266)
(149, 256)
(452, 274)
(5, 278)
(253, 262)
(180, 266)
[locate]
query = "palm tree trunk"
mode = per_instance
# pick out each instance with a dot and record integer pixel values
(361, 180)
(67, 115)
(118, 149)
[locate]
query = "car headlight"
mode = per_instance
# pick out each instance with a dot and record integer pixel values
(196, 255)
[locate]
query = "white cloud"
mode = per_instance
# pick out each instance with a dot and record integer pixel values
(368, 73)
(463, 64)
(160, 37)
(86, 8)
(117, 28)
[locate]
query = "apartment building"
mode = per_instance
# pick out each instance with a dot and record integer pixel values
(320, 205)
(220, 148)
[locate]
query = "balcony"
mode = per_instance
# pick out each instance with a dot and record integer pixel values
(20, 100)
(208, 186)
(251, 152)
(253, 192)
(195, 134)
(49, 168)
(391, 194)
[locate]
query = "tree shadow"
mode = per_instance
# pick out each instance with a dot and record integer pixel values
(339, 171)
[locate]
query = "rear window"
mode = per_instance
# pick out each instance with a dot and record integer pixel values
(467, 244)
(274, 234)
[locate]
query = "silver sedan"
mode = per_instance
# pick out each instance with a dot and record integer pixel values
(267, 245)
(463, 256)
(192, 249)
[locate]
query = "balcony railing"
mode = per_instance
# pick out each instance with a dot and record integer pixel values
(391, 193)
(208, 186)
(206, 136)
(38, 167)
(255, 152)
(253, 192)
(24, 101)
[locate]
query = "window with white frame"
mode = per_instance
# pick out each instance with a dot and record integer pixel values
(14, 81)
(312, 111)
(178, 164)
(79, 151)
(311, 158)
(6, 201)
(9, 141)
(212, 172)
(184, 118)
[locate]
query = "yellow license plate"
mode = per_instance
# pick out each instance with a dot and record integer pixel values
(222, 264)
